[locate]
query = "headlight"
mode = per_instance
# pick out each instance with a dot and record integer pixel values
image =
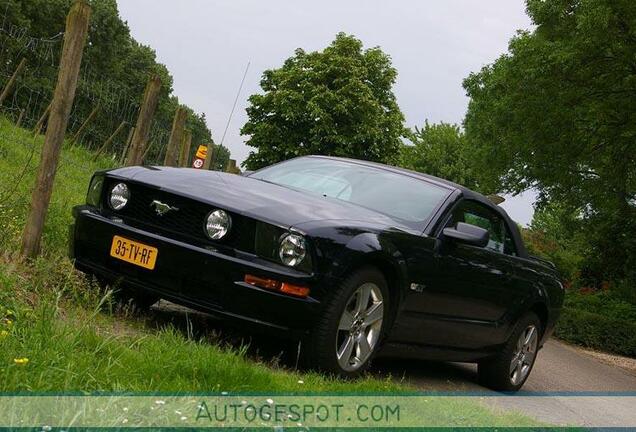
(217, 224)
(93, 197)
(119, 196)
(292, 250)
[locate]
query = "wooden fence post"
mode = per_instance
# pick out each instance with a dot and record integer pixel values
(40, 124)
(20, 118)
(70, 62)
(11, 83)
(122, 158)
(231, 166)
(144, 121)
(143, 158)
(186, 144)
(208, 157)
(110, 140)
(84, 125)
(174, 144)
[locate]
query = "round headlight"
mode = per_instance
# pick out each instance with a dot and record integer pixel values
(119, 196)
(292, 249)
(217, 224)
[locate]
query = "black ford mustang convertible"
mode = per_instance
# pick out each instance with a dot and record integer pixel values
(350, 257)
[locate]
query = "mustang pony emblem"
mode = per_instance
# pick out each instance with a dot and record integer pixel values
(162, 208)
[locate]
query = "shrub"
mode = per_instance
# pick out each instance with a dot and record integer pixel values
(607, 303)
(600, 321)
(625, 289)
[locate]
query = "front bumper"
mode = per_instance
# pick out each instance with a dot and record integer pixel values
(198, 277)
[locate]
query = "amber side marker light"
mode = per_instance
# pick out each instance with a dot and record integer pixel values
(271, 284)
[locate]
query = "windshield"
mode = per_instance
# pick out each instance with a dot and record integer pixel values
(397, 195)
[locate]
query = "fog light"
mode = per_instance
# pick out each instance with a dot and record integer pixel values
(119, 196)
(292, 250)
(217, 224)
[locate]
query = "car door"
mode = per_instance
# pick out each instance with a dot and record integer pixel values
(468, 289)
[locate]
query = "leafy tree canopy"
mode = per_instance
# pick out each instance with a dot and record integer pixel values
(115, 70)
(440, 150)
(338, 102)
(557, 113)
(556, 233)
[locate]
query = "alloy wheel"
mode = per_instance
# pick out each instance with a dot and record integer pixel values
(359, 327)
(524, 355)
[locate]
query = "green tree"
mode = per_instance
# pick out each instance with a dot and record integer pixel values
(557, 113)
(555, 233)
(439, 150)
(338, 102)
(221, 157)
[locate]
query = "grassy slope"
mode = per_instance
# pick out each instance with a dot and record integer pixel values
(51, 316)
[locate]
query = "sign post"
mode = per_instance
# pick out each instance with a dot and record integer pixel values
(199, 158)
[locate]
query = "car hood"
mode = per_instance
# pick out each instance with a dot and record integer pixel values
(254, 198)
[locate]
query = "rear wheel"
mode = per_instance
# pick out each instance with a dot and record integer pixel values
(509, 370)
(349, 333)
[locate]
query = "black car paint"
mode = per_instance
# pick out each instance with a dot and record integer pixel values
(449, 300)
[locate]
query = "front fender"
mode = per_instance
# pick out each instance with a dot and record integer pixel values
(340, 249)
(367, 248)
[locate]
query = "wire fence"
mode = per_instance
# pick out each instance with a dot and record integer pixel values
(30, 95)
(27, 102)
(33, 92)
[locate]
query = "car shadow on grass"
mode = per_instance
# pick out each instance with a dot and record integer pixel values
(261, 347)
(283, 353)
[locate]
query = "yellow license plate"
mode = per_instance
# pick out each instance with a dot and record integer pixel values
(134, 252)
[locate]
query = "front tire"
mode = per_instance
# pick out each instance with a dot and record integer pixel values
(510, 369)
(352, 326)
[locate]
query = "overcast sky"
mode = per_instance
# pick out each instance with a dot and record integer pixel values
(434, 44)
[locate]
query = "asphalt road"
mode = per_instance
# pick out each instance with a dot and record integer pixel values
(584, 385)
(559, 368)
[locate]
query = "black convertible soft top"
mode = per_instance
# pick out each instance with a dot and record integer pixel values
(464, 191)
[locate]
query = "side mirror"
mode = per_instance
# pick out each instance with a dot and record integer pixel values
(468, 234)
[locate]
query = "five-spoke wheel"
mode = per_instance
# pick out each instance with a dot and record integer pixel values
(350, 330)
(510, 368)
(360, 326)
(524, 355)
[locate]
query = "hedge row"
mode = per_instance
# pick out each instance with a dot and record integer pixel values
(593, 330)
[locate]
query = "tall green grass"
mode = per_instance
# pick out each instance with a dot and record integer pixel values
(71, 346)
(19, 158)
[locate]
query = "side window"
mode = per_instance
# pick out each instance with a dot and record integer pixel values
(479, 215)
(509, 245)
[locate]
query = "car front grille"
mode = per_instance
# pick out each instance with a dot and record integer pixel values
(186, 222)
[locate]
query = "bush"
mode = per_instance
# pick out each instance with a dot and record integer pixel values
(600, 321)
(566, 259)
(625, 289)
(608, 303)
